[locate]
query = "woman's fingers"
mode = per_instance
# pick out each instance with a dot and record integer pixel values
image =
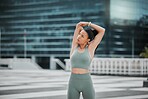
(83, 23)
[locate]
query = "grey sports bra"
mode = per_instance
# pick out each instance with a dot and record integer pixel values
(80, 59)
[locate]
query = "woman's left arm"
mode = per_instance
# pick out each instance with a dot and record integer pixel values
(93, 45)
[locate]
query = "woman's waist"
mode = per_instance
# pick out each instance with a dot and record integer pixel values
(81, 66)
(79, 70)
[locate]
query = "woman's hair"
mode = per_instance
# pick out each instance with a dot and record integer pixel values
(90, 32)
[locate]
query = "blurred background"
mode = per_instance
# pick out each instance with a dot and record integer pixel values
(35, 42)
(43, 29)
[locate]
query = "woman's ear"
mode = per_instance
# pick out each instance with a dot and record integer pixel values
(88, 41)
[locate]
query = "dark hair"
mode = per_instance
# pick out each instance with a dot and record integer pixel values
(90, 32)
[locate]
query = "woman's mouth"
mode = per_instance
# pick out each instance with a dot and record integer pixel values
(77, 39)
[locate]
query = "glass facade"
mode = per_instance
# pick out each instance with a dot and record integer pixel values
(44, 28)
(127, 36)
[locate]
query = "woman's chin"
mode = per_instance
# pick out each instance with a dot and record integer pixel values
(78, 42)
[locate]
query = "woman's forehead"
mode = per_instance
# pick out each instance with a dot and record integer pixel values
(83, 32)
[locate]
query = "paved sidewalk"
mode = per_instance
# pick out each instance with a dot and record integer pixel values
(52, 84)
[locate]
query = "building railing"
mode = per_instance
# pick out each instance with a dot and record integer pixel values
(54, 62)
(117, 66)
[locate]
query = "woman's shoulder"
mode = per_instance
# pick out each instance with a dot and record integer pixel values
(73, 49)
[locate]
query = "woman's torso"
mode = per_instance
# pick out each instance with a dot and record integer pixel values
(80, 61)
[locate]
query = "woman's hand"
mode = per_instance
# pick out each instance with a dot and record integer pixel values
(82, 24)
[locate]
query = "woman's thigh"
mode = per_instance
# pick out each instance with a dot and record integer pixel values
(88, 91)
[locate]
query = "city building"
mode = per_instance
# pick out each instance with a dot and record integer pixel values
(42, 29)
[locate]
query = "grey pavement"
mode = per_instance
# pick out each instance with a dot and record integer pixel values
(52, 84)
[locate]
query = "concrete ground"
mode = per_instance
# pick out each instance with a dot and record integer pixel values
(52, 84)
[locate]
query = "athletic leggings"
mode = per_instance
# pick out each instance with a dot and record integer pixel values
(80, 83)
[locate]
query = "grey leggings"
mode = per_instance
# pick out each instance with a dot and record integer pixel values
(80, 83)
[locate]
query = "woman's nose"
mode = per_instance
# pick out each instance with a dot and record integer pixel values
(78, 36)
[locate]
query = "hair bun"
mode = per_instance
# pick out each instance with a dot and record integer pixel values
(91, 32)
(95, 32)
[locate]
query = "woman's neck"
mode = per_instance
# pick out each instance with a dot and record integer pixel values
(82, 46)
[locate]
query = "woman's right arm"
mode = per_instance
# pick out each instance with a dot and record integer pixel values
(78, 28)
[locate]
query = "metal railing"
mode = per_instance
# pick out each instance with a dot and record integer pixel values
(54, 62)
(117, 66)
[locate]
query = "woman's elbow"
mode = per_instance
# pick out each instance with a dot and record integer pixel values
(103, 30)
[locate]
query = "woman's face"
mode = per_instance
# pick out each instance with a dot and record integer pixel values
(82, 38)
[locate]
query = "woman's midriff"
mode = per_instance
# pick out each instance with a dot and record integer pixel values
(79, 71)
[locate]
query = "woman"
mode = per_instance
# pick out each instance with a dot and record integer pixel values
(87, 37)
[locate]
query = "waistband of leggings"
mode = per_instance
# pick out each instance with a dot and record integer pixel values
(80, 76)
